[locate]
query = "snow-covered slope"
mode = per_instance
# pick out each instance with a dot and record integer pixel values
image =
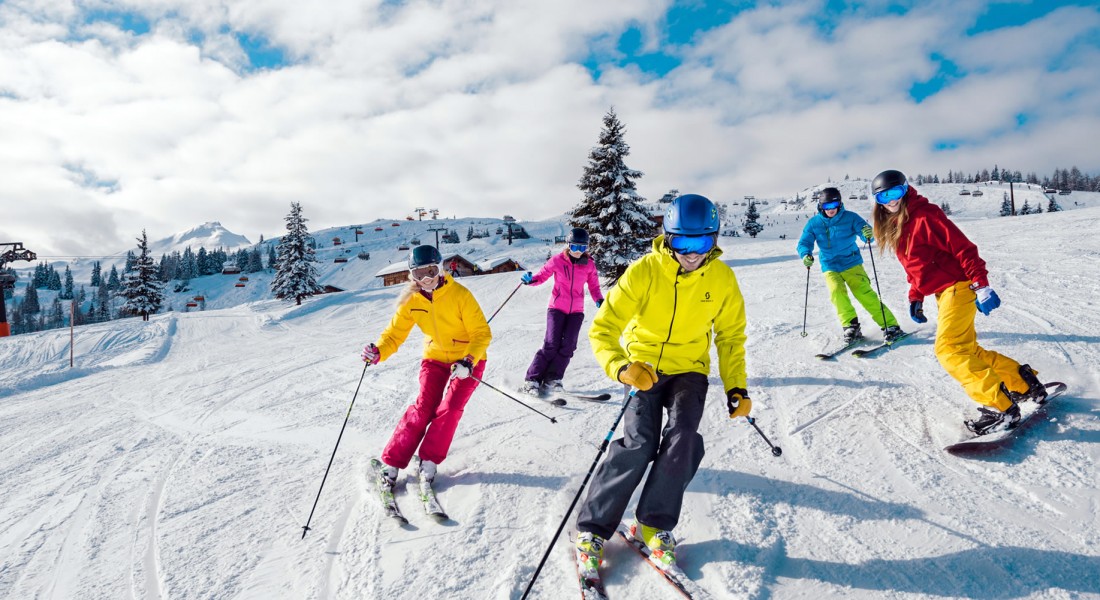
(180, 457)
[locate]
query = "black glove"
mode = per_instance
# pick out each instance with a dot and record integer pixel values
(462, 368)
(916, 311)
(737, 400)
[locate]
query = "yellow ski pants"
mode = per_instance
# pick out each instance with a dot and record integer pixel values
(856, 278)
(980, 371)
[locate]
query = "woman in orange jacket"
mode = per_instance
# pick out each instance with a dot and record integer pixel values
(456, 337)
(939, 259)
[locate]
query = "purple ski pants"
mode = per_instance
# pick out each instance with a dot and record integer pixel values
(558, 346)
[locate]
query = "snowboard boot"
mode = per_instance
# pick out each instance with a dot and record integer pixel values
(1036, 391)
(852, 332)
(892, 333)
(553, 387)
(589, 553)
(992, 420)
(661, 544)
(531, 388)
(425, 470)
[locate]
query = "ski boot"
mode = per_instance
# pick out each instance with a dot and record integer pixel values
(387, 477)
(531, 388)
(992, 420)
(553, 387)
(425, 470)
(589, 554)
(892, 333)
(661, 544)
(852, 332)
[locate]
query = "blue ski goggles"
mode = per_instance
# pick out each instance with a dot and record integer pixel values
(831, 205)
(578, 247)
(691, 244)
(894, 193)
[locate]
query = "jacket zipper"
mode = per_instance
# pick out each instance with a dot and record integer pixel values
(675, 301)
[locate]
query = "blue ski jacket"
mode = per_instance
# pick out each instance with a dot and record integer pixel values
(835, 238)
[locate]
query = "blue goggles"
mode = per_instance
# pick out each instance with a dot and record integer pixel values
(578, 247)
(831, 205)
(691, 244)
(894, 193)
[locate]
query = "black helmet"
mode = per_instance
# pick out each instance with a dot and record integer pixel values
(424, 255)
(577, 236)
(886, 180)
(829, 194)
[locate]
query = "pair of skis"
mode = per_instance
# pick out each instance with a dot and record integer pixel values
(863, 352)
(592, 588)
(562, 398)
(425, 494)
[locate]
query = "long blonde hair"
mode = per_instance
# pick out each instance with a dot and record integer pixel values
(888, 226)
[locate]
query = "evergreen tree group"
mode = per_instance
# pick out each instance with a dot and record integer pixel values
(618, 226)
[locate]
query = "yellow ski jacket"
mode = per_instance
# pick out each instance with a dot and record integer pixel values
(667, 318)
(452, 322)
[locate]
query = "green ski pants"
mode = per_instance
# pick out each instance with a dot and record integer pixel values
(856, 279)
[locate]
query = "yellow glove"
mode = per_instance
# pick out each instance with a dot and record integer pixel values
(737, 400)
(639, 375)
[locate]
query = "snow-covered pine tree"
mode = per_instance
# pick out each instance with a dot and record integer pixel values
(619, 227)
(1006, 206)
(141, 286)
(113, 282)
(1026, 209)
(30, 301)
(751, 226)
(1053, 206)
(296, 277)
(67, 286)
(255, 261)
(97, 274)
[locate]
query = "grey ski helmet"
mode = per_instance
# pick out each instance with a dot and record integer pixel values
(886, 180)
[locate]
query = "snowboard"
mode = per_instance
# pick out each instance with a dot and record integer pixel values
(1030, 413)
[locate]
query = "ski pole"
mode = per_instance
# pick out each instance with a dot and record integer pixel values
(877, 288)
(505, 302)
(806, 306)
(305, 528)
(628, 394)
(776, 450)
(513, 398)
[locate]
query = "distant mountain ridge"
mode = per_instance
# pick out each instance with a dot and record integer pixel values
(210, 235)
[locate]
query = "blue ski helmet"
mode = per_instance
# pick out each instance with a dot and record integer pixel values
(691, 214)
(424, 255)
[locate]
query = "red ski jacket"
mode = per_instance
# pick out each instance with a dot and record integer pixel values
(934, 252)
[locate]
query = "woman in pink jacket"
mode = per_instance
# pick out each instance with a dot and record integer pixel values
(571, 270)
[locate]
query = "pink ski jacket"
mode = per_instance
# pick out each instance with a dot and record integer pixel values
(569, 279)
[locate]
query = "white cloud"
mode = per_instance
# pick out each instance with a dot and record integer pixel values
(480, 108)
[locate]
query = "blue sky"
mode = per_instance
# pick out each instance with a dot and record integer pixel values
(209, 111)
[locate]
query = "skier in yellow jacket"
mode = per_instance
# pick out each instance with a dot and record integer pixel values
(667, 307)
(456, 337)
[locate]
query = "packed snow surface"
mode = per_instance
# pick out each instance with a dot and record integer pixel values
(179, 458)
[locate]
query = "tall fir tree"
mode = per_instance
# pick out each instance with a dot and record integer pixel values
(1006, 206)
(752, 216)
(296, 277)
(113, 282)
(97, 274)
(142, 287)
(619, 228)
(67, 286)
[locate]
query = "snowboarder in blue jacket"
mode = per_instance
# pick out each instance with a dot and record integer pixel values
(835, 230)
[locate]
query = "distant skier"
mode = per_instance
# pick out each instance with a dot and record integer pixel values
(456, 337)
(571, 270)
(835, 229)
(654, 333)
(453, 267)
(939, 259)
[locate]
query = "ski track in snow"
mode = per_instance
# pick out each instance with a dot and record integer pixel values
(179, 459)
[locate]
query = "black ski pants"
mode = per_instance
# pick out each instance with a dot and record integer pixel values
(675, 452)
